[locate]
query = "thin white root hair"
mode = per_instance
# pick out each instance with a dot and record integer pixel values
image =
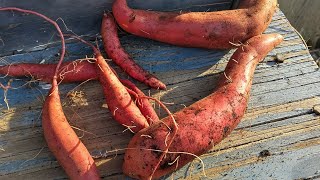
(1, 40)
(114, 112)
(183, 105)
(82, 83)
(5, 92)
(235, 61)
(235, 44)
(84, 131)
(128, 128)
(145, 32)
(168, 103)
(166, 125)
(176, 160)
(156, 150)
(65, 26)
(32, 157)
(100, 67)
(147, 136)
(229, 80)
(166, 139)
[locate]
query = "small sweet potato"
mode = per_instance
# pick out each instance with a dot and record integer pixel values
(112, 45)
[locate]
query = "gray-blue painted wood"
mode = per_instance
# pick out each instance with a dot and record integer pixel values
(279, 117)
(82, 17)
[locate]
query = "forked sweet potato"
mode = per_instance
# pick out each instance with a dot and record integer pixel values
(211, 30)
(204, 123)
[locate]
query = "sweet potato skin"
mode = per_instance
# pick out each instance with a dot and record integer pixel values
(76, 71)
(143, 103)
(64, 143)
(204, 123)
(119, 101)
(211, 30)
(112, 46)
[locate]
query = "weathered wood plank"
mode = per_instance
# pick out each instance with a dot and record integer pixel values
(279, 116)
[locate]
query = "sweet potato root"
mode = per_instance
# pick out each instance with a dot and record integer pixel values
(76, 71)
(211, 30)
(112, 46)
(62, 141)
(203, 124)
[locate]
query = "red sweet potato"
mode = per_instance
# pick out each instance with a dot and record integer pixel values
(76, 71)
(63, 142)
(61, 139)
(204, 123)
(142, 103)
(119, 101)
(211, 30)
(112, 46)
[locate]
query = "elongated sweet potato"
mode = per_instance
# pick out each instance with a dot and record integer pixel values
(112, 46)
(201, 125)
(62, 141)
(76, 71)
(212, 30)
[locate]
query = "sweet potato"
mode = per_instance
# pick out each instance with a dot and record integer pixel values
(61, 139)
(76, 71)
(63, 142)
(112, 46)
(204, 123)
(211, 30)
(142, 103)
(119, 101)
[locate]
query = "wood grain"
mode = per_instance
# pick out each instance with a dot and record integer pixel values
(277, 139)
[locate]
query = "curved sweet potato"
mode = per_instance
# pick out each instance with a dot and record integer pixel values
(204, 123)
(62, 141)
(112, 46)
(211, 30)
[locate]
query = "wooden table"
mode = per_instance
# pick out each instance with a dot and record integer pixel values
(279, 137)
